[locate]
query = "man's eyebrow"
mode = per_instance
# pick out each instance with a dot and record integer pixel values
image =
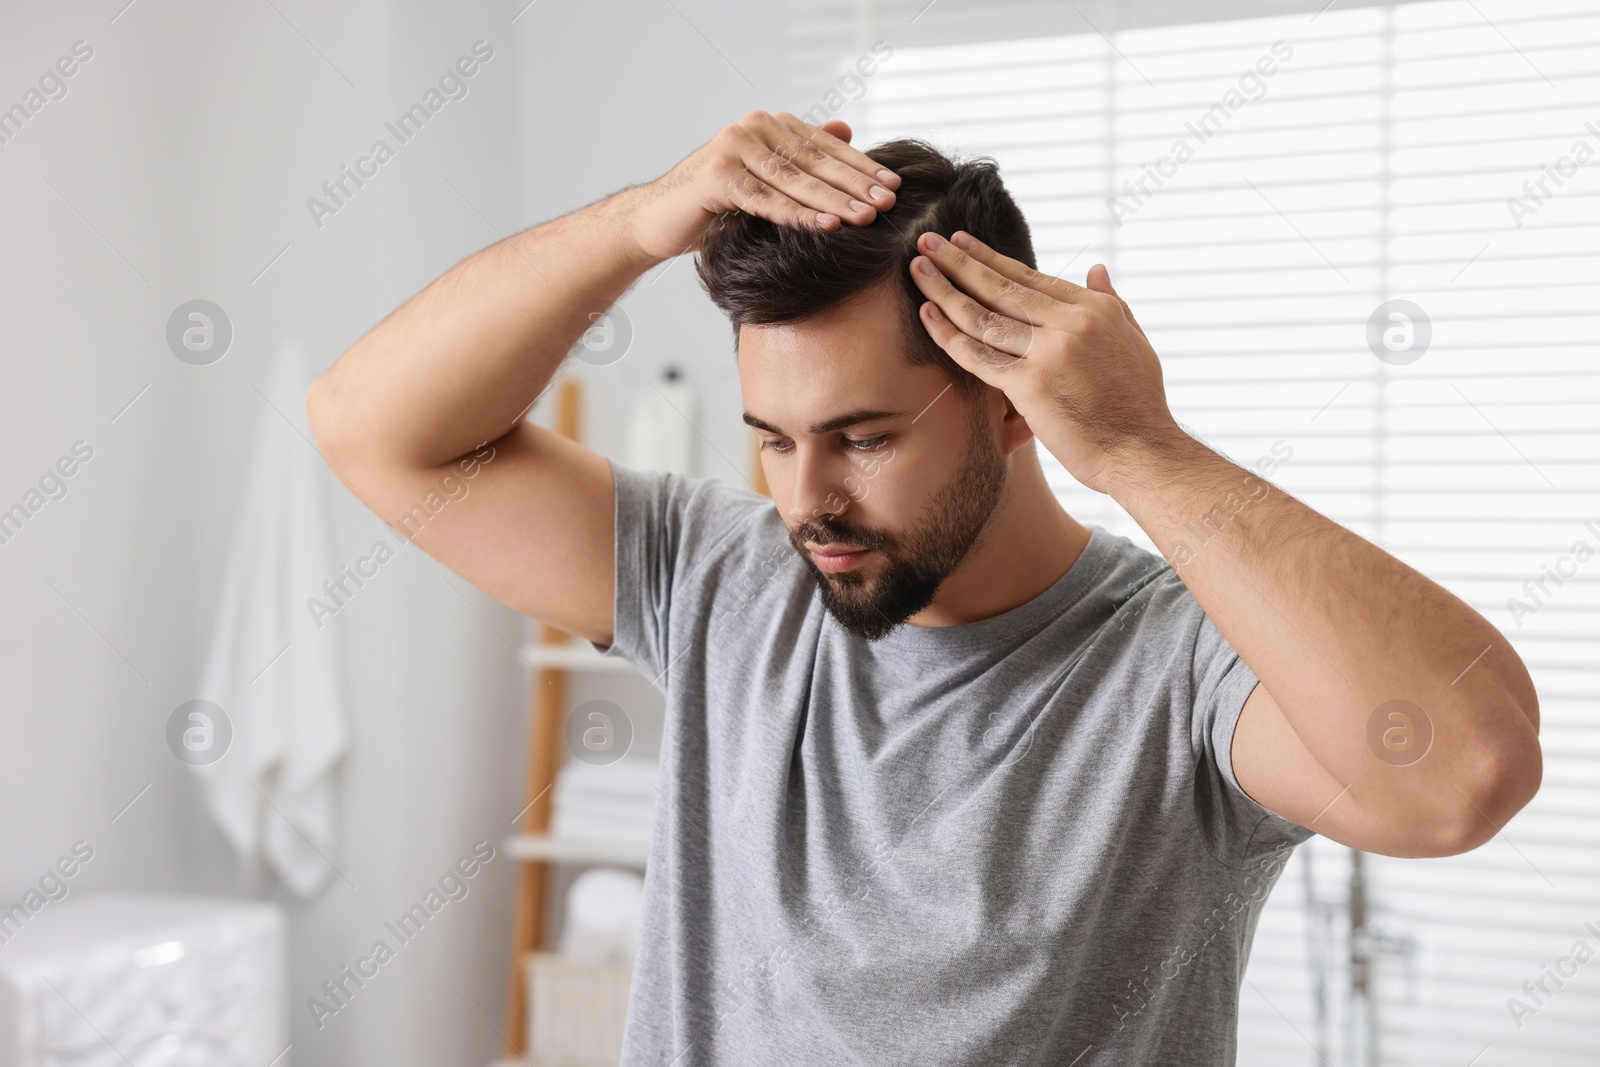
(838, 422)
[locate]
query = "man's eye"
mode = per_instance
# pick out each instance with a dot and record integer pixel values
(866, 444)
(776, 444)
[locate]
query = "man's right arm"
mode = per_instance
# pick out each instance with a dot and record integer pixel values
(460, 364)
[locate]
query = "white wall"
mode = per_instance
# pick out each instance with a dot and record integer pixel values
(187, 147)
(615, 94)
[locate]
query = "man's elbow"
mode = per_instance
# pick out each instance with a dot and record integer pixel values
(325, 418)
(1485, 797)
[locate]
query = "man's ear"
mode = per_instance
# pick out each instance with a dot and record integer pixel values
(1014, 429)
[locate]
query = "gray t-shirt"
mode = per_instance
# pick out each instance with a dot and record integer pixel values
(1014, 841)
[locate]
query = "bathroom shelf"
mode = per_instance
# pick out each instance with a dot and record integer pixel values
(557, 656)
(575, 656)
(552, 849)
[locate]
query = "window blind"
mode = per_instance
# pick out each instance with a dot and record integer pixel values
(1430, 152)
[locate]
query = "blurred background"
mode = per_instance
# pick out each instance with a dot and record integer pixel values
(249, 730)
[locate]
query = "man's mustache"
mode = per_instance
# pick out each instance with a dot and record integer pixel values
(837, 533)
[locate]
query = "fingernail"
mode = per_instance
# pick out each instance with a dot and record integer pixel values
(878, 192)
(886, 175)
(825, 218)
(856, 205)
(934, 313)
(934, 242)
(925, 265)
(961, 239)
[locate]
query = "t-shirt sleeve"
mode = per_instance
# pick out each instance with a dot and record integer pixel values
(1244, 829)
(669, 528)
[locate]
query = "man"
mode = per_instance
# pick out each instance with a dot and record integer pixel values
(947, 776)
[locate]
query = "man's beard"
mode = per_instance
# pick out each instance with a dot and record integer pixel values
(918, 562)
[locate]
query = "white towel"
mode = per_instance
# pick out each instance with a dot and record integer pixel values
(604, 807)
(277, 675)
(624, 779)
(634, 830)
(604, 910)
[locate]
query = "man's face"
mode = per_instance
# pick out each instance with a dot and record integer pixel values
(884, 474)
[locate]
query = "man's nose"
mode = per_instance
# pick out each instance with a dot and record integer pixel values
(816, 492)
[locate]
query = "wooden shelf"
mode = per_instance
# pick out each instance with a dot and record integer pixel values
(574, 656)
(548, 849)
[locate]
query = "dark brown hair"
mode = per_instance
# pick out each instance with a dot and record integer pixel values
(761, 273)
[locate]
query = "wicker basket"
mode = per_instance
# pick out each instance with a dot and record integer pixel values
(576, 1011)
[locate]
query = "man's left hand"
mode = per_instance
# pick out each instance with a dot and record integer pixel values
(1071, 359)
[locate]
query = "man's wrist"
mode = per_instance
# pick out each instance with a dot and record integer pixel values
(628, 211)
(1168, 481)
(1143, 465)
(1183, 493)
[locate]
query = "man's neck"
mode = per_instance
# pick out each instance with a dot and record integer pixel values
(1028, 544)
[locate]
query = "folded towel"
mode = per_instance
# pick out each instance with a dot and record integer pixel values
(602, 828)
(624, 778)
(614, 803)
(605, 808)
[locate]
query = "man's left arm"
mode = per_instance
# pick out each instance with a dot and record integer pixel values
(1389, 715)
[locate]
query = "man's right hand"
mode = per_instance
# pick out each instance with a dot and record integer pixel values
(462, 361)
(767, 164)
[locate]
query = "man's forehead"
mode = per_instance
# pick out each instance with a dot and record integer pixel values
(828, 353)
(874, 316)
(846, 365)
(818, 389)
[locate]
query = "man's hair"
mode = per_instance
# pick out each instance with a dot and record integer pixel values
(761, 273)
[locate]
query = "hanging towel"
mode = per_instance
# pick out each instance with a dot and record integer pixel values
(276, 673)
